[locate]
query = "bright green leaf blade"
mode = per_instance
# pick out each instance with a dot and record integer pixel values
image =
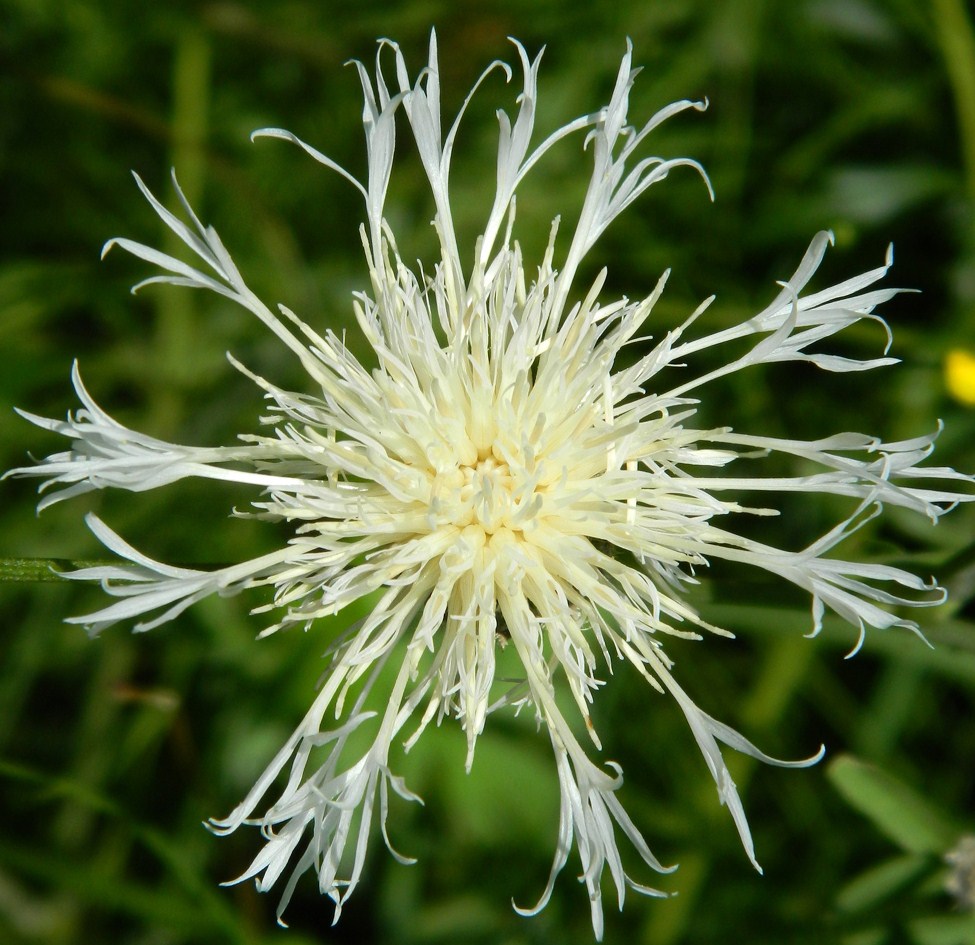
(943, 930)
(896, 810)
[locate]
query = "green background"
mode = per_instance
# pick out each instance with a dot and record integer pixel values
(846, 114)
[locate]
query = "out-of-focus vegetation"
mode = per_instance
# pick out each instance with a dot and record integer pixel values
(857, 115)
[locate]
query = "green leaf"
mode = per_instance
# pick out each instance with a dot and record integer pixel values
(198, 899)
(895, 808)
(943, 930)
(878, 883)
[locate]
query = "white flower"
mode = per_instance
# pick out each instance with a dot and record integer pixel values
(496, 479)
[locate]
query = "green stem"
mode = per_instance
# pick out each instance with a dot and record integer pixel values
(176, 344)
(958, 47)
(18, 570)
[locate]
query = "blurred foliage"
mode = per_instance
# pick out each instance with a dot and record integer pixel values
(857, 115)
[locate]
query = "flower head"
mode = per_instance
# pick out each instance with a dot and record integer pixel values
(499, 477)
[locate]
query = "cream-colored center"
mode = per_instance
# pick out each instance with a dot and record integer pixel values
(478, 494)
(487, 487)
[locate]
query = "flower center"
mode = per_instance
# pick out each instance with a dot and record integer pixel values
(484, 493)
(487, 487)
